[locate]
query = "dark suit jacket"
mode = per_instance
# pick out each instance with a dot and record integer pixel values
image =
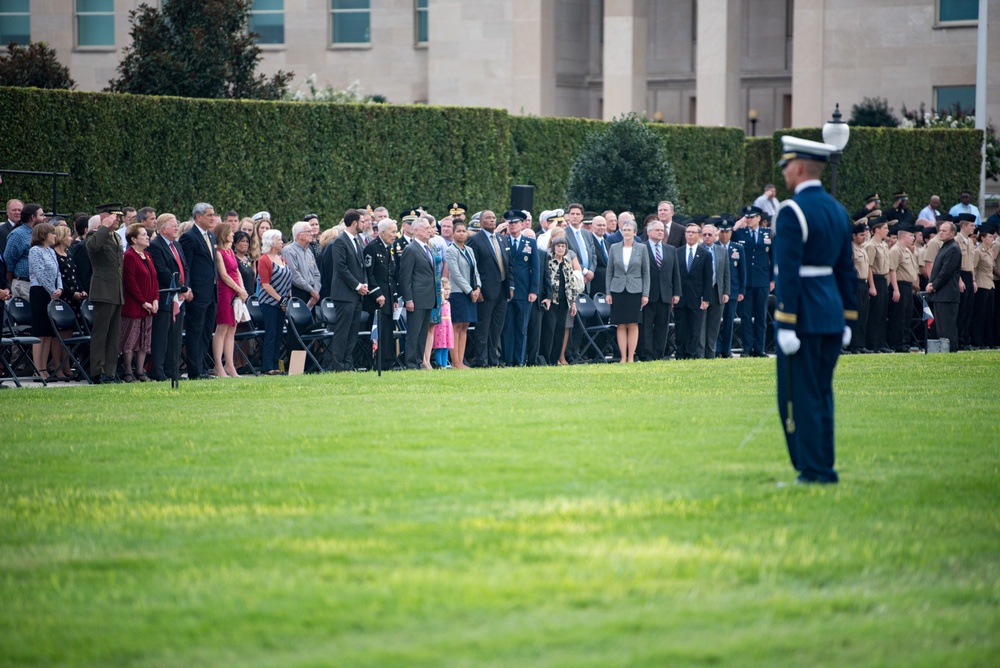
(675, 237)
(105, 250)
(722, 279)
(416, 277)
(5, 229)
(600, 267)
(493, 286)
(696, 285)
(945, 273)
(665, 281)
(380, 265)
(201, 265)
(348, 271)
(166, 266)
(525, 268)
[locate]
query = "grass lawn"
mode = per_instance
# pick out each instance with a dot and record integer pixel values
(580, 516)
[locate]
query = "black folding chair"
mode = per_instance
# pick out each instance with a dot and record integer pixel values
(586, 313)
(300, 323)
(18, 314)
(87, 315)
(603, 332)
(252, 331)
(399, 339)
(63, 319)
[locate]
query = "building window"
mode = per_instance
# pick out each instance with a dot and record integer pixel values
(351, 21)
(421, 21)
(958, 10)
(95, 22)
(949, 98)
(267, 19)
(15, 22)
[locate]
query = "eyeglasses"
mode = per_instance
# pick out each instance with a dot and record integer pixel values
(706, 234)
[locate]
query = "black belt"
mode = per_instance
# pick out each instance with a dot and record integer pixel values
(21, 278)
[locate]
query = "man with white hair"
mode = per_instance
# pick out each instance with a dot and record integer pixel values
(305, 273)
(380, 267)
(416, 285)
(198, 245)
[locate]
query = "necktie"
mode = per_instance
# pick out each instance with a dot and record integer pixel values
(517, 245)
(604, 251)
(712, 251)
(496, 251)
(659, 256)
(357, 249)
(430, 257)
(690, 256)
(208, 244)
(584, 260)
(177, 257)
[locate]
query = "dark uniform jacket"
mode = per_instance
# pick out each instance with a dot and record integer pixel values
(105, 251)
(380, 265)
(758, 255)
(737, 269)
(526, 268)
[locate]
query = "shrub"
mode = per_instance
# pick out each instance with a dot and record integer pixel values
(873, 112)
(33, 66)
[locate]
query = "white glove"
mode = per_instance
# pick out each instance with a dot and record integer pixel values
(788, 341)
(846, 339)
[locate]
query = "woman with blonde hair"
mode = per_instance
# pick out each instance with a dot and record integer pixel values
(261, 224)
(230, 288)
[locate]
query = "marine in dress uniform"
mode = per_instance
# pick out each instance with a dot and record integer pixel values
(756, 241)
(106, 294)
(872, 202)
(815, 286)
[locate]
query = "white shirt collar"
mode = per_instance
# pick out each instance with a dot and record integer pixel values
(807, 184)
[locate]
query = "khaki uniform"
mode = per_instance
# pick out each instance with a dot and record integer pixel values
(878, 257)
(983, 264)
(860, 261)
(904, 262)
(931, 249)
(878, 306)
(965, 245)
(983, 307)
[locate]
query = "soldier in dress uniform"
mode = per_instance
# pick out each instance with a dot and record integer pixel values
(380, 265)
(878, 307)
(457, 211)
(863, 271)
(756, 241)
(406, 219)
(815, 286)
(737, 284)
(966, 227)
(898, 212)
(903, 281)
(106, 293)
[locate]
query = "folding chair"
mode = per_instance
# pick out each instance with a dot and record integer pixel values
(586, 313)
(63, 319)
(18, 313)
(603, 332)
(250, 331)
(300, 321)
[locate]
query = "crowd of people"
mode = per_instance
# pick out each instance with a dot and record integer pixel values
(476, 290)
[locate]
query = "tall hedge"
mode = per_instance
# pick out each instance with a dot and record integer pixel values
(885, 160)
(758, 168)
(288, 158)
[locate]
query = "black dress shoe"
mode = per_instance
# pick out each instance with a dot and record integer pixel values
(104, 379)
(866, 351)
(885, 350)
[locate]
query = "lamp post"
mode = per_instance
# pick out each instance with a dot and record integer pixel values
(836, 132)
(752, 116)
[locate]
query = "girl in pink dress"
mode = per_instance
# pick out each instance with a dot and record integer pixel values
(444, 335)
(230, 287)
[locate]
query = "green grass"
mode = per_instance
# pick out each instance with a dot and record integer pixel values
(581, 516)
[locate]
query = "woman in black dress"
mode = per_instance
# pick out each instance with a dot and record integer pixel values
(559, 293)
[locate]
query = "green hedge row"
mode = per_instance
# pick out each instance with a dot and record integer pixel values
(294, 158)
(940, 162)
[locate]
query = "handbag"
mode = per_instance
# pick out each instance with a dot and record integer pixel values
(578, 282)
(240, 310)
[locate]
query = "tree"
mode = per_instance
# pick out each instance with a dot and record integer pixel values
(873, 112)
(195, 48)
(622, 167)
(33, 66)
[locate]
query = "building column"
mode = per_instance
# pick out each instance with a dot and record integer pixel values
(534, 58)
(808, 107)
(624, 57)
(719, 62)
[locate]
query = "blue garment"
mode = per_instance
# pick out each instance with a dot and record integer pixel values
(737, 285)
(526, 271)
(815, 291)
(15, 256)
(758, 262)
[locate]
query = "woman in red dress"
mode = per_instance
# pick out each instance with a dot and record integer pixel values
(142, 297)
(230, 287)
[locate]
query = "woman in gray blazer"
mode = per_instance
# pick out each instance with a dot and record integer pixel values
(627, 288)
(464, 277)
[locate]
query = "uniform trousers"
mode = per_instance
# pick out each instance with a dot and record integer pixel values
(490, 314)
(534, 334)
(515, 331)
(753, 321)
(805, 405)
(965, 304)
(878, 314)
(900, 317)
(105, 339)
(982, 318)
(710, 327)
(859, 327)
(724, 346)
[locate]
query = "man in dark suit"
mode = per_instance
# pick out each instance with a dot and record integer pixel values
(737, 280)
(672, 232)
(198, 245)
(526, 281)
(107, 296)
(664, 292)
(599, 229)
(696, 285)
(756, 241)
(78, 249)
(815, 289)
(171, 271)
(380, 265)
(349, 283)
(14, 207)
(721, 284)
(942, 288)
(416, 285)
(493, 261)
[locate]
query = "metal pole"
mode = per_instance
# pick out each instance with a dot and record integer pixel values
(981, 64)
(834, 166)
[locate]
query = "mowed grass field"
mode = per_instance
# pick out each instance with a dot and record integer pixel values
(575, 516)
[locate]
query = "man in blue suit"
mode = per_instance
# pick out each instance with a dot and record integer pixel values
(816, 297)
(696, 263)
(737, 282)
(756, 241)
(526, 274)
(198, 245)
